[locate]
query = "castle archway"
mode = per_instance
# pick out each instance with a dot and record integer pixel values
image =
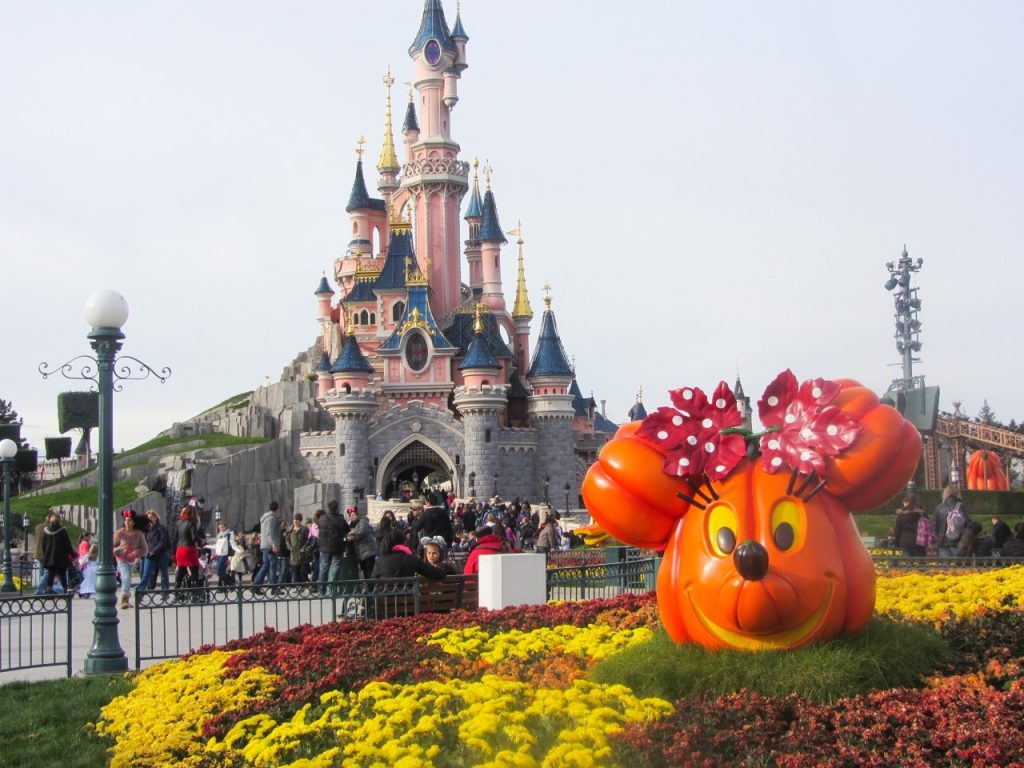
(414, 465)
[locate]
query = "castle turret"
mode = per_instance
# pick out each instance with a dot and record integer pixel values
(743, 404)
(637, 412)
(491, 240)
(551, 405)
(325, 380)
(359, 208)
(351, 371)
(481, 403)
(474, 216)
(460, 39)
(522, 313)
(410, 128)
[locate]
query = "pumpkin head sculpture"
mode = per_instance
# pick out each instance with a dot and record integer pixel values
(761, 551)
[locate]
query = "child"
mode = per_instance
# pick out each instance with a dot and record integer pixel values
(88, 567)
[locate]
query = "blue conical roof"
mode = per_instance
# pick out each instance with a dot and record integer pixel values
(324, 287)
(479, 355)
(325, 362)
(351, 359)
(433, 26)
(360, 198)
(637, 412)
(410, 123)
(490, 229)
(458, 30)
(476, 207)
(549, 358)
(393, 273)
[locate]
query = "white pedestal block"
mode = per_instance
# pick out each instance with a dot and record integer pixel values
(519, 579)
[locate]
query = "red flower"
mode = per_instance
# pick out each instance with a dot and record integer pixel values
(805, 428)
(691, 437)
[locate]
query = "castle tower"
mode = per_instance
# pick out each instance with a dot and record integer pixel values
(474, 216)
(410, 128)
(323, 294)
(433, 178)
(353, 404)
(360, 208)
(551, 405)
(522, 313)
(637, 412)
(491, 240)
(387, 165)
(481, 404)
(743, 404)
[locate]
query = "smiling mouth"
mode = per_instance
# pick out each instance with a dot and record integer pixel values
(772, 641)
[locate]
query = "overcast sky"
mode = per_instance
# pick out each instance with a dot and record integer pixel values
(706, 186)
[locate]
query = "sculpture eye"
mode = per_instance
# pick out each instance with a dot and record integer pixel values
(788, 525)
(721, 529)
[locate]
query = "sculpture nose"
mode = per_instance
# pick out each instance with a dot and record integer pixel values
(751, 560)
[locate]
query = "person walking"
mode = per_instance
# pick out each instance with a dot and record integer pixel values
(270, 545)
(186, 554)
(951, 521)
(363, 541)
(129, 548)
(57, 552)
(223, 548)
(297, 539)
(905, 529)
(158, 559)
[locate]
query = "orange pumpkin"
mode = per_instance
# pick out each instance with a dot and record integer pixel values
(985, 472)
(758, 560)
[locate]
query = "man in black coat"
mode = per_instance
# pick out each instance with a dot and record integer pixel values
(433, 521)
(333, 542)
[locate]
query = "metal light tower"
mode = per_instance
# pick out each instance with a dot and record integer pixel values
(105, 311)
(908, 326)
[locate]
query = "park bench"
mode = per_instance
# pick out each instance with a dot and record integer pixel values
(454, 593)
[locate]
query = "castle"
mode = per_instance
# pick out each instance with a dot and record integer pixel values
(429, 379)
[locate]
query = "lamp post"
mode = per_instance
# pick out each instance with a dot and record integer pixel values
(567, 498)
(547, 482)
(495, 483)
(472, 485)
(105, 311)
(8, 450)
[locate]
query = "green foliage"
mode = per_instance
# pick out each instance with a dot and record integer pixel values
(885, 655)
(36, 507)
(58, 447)
(212, 440)
(46, 724)
(980, 504)
(7, 413)
(986, 415)
(77, 410)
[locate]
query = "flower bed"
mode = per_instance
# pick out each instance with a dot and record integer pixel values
(510, 688)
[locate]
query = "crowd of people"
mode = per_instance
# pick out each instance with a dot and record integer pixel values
(949, 530)
(435, 538)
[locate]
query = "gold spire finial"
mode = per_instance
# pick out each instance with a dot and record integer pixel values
(522, 307)
(478, 323)
(414, 276)
(388, 157)
(640, 395)
(487, 175)
(547, 297)
(574, 365)
(359, 149)
(397, 222)
(408, 83)
(350, 327)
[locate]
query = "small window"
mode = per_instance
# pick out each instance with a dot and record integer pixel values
(487, 435)
(341, 449)
(373, 318)
(397, 311)
(496, 264)
(364, 317)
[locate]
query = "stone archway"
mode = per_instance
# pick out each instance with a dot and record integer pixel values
(408, 466)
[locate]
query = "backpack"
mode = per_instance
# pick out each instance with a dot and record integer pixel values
(956, 519)
(926, 532)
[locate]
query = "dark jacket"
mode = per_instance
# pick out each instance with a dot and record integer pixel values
(157, 539)
(297, 541)
(187, 535)
(1014, 548)
(488, 544)
(57, 549)
(399, 564)
(905, 531)
(1001, 534)
(434, 522)
(333, 532)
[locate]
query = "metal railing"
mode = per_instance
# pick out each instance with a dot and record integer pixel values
(35, 631)
(586, 582)
(172, 624)
(969, 563)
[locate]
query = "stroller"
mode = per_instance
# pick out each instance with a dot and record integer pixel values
(193, 587)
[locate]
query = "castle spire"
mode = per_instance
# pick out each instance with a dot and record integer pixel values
(359, 199)
(410, 123)
(521, 308)
(476, 206)
(388, 157)
(433, 27)
(549, 359)
(478, 354)
(490, 228)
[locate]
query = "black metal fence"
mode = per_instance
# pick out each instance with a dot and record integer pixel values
(971, 563)
(35, 631)
(171, 624)
(589, 581)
